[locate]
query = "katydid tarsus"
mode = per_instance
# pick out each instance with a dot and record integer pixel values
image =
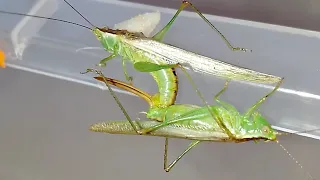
(192, 122)
(144, 51)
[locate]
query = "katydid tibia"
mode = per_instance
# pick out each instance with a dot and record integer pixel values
(195, 123)
(153, 56)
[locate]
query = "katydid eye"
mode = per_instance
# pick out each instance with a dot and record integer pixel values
(99, 36)
(266, 129)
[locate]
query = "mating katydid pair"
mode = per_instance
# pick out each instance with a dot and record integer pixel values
(151, 55)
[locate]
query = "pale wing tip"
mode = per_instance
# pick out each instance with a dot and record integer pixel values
(98, 127)
(145, 23)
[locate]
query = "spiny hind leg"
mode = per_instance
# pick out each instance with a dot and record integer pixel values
(116, 99)
(159, 36)
(255, 106)
(167, 167)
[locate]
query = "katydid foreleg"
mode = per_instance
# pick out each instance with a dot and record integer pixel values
(159, 36)
(103, 61)
(255, 106)
(224, 104)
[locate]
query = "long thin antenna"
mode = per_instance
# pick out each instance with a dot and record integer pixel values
(294, 159)
(42, 17)
(79, 13)
(299, 132)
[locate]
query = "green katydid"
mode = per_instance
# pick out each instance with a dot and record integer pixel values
(192, 122)
(160, 114)
(146, 52)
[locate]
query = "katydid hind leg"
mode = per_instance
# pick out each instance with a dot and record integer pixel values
(116, 99)
(262, 100)
(159, 36)
(167, 167)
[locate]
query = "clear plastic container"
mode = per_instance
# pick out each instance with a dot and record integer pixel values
(54, 49)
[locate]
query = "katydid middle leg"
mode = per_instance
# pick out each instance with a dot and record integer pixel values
(226, 105)
(159, 36)
(229, 107)
(165, 164)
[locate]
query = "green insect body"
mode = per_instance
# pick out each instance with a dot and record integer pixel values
(165, 55)
(150, 54)
(157, 58)
(218, 123)
(199, 124)
(233, 125)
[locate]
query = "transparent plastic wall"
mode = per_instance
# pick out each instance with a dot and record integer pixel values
(63, 51)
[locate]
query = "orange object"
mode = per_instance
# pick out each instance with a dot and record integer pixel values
(2, 59)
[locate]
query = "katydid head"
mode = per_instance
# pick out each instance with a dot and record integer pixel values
(257, 127)
(98, 33)
(106, 37)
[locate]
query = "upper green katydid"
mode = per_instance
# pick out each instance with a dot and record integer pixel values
(131, 41)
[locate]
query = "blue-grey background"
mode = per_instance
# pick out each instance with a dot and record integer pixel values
(44, 120)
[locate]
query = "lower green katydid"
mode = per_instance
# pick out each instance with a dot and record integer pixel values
(194, 123)
(163, 114)
(141, 50)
